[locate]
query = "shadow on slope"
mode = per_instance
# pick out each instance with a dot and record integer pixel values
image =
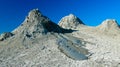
(52, 27)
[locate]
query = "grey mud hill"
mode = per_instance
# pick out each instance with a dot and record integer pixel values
(39, 42)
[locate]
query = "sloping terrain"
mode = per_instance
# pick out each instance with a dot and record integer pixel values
(39, 42)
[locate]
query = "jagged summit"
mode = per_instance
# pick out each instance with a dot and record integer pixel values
(109, 24)
(37, 24)
(34, 13)
(70, 22)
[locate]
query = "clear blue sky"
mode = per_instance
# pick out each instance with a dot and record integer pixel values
(91, 12)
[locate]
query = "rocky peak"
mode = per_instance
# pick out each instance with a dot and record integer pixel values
(32, 24)
(36, 24)
(35, 13)
(70, 22)
(109, 24)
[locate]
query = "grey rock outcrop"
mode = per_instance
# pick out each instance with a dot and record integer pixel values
(5, 35)
(109, 24)
(36, 25)
(70, 22)
(31, 24)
